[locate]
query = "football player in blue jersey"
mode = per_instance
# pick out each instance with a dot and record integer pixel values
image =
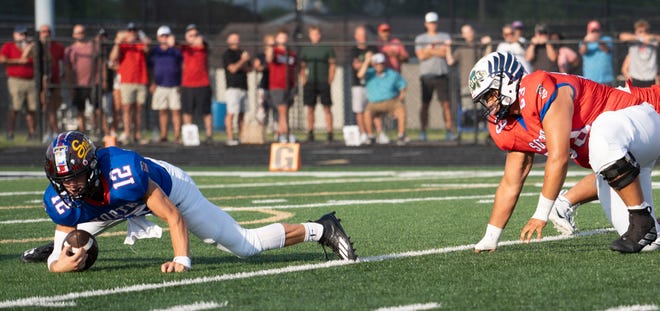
(94, 188)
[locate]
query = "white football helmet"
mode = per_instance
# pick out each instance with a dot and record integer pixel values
(496, 71)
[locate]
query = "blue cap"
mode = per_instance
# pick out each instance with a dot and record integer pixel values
(20, 29)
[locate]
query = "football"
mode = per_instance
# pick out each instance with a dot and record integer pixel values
(82, 239)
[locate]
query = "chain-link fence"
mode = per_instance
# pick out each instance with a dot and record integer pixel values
(339, 36)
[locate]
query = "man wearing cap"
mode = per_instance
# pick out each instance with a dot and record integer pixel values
(518, 27)
(130, 52)
(596, 51)
(17, 58)
(195, 83)
(386, 90)
(392, 48)
(165, 61)
(513, 45)
(431, 50)
(541, 53)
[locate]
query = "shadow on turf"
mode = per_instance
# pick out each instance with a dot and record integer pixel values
(222, 259)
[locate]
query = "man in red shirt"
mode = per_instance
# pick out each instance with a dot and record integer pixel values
(565, 116)
(17, 58)
(52, 54)
(282, 65)
(393, 49)
(129, 52)
(195, 84)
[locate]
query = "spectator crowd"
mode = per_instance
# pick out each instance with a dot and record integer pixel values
(118, 77)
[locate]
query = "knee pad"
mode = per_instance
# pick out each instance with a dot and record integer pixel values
(622, 172)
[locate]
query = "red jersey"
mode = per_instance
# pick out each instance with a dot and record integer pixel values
(282, 66)
(195, 71)
(132, 63)
(23, 71)
(524, 132)
(56, 55)
(650, 95)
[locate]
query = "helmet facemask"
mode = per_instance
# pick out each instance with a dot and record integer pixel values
(91, 183)
(502, 103)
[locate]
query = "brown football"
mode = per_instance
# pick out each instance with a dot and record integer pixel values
(82, 239)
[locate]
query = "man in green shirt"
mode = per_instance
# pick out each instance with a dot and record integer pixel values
(317, 70)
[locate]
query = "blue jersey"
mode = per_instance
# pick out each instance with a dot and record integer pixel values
(125, 179)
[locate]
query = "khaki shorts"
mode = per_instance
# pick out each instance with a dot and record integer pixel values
(384, 107)
(132, 93)
(236, 99)
(166, 98)
(20, 91)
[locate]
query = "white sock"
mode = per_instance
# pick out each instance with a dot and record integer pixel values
(313, 231)
(644, 205)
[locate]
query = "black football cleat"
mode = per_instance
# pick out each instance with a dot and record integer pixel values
(335, 237)
(38, 254)
(641, 232)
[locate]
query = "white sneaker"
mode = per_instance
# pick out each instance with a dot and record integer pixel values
(232, 142)
(292, 138)
(123, 139)
(364, 138)
(561, 215)
(653, 246)
(382, 139)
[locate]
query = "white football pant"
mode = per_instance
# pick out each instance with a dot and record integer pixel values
(636, 130)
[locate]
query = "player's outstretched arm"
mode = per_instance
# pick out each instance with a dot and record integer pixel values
(516, 169)
(557, 128)
(162, 207)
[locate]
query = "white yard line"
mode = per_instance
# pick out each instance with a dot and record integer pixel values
(413, 307)
(196, 306)
(24, 221)
(634, 308)
(70, 297)
(313, 205)
(15, 193)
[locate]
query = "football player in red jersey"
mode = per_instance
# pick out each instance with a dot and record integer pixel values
(568, 117)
